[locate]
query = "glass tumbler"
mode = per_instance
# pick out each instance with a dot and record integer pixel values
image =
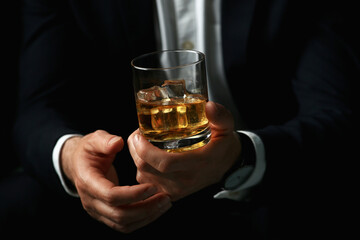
(171, 93)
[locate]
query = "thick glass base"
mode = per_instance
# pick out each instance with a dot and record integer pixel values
(185, 144)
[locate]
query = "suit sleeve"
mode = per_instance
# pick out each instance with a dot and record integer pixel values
(46, 74)
(309, 157)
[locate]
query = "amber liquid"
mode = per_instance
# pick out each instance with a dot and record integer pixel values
(173, 118)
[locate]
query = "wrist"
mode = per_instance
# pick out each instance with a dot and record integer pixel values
(238, 160)
(244, 163)
(66, 154)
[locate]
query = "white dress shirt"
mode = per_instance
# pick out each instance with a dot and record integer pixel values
(190, 24)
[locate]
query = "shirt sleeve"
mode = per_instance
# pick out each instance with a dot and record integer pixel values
(56, 162)
(254, 177)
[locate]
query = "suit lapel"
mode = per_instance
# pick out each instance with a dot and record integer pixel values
(138, 17)
(237, 17)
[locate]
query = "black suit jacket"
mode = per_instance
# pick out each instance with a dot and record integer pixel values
(290, 65)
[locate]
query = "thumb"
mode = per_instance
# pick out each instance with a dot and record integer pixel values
(105, 143)
(220, 119)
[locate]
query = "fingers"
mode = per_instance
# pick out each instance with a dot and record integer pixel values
(127, 218)
(107, 192)
(125, 208)
(220, 119)
(141, 149)
(221, 123)
(153, 208)
(101, 142)
(180, 174)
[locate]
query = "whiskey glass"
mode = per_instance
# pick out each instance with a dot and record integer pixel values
(171, 93)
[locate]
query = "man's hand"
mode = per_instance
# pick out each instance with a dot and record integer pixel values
(180, 174)
(87, 162)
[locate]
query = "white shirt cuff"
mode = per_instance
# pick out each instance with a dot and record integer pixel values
(256, 176)
(56, 162)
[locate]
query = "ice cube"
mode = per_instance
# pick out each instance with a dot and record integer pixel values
(175, 88)
(167, 118)
(154, 93)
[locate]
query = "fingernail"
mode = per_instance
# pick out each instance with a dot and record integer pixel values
(113, 140)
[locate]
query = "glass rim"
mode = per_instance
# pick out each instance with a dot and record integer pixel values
(202, 58)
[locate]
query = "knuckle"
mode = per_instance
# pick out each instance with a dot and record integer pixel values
(109, 198)
(141, 165)
(164, 166)
(120, 222)
(139, 177)
(118, 227)
(142, 178)
(98, 133)
(113, 225)
(89, 209)
(119, 218)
